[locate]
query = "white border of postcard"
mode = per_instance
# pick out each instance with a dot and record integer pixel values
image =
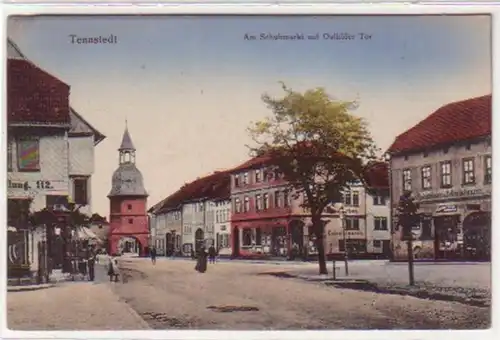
(207, 8)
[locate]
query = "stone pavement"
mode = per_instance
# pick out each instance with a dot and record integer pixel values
(235, 296)
(80, 305)
(461, 275)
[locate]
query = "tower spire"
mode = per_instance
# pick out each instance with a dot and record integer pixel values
(126, 149)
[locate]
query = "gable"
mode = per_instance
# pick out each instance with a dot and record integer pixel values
(80, 127)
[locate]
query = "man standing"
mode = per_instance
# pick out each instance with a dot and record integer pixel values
(211, 254)
(152, 252)
(91, 264)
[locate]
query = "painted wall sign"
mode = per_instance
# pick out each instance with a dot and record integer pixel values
(446, 209)
(348, 233)
(451, 193)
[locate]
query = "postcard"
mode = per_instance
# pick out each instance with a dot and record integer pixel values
(249, 172)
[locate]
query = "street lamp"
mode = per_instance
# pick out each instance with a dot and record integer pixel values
(342, 219)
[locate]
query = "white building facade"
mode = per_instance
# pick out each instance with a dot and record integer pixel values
(222, 226)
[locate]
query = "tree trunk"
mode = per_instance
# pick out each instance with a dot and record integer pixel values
(318, 231)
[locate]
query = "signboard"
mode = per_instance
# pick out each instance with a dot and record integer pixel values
(19, 188)
(348, 233)
(446, 209)
(452, 193)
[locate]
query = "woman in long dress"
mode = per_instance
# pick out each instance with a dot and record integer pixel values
(201, 263)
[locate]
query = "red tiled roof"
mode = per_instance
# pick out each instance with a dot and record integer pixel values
(35, 96)
(454, 122)
(214, 186)
(376, 175)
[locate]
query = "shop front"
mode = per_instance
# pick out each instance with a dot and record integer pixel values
(454, 224)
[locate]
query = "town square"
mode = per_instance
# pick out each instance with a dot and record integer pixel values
(152, 188)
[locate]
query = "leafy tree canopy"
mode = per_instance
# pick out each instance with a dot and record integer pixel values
(316, 142)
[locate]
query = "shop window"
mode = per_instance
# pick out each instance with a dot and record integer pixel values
(247, 237)
(258, 236)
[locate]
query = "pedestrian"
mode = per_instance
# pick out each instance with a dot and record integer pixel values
(211, 254)
(201, 263)
(113, 270)
(91, 264)
(152, 253)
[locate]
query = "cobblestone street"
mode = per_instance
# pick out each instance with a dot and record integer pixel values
(232, 295)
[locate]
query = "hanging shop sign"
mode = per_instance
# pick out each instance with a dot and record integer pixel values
(446, 209)
(452, 193)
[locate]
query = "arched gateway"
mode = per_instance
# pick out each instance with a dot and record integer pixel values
(129, 232)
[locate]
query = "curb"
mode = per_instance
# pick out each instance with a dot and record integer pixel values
(29, 288)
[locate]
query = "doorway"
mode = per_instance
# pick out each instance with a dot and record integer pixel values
(445, 236)
(236, 242)
(199, 239)
(169, 244)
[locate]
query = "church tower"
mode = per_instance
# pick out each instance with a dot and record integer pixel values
(129, 231)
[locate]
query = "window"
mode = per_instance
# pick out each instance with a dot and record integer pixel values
(217, 214)
(487, 170)
(258, 176)
(446, 174)
(277, 200)
(258, 236)
(258, 202)
(426, 177)
(407, 180)
(237, 205)
(266, 202)
(201, 207)
(380, 223)
(80, 192)
(28, 154)
(286, 201)
(129, 207)
(347, 198)
(377, 243)
(236, 180)
(468, 170)
(130, 221)
(9, 155)
(351, 224)
(246, 207)
(379, 199)
(355, 198)
(245, 178)
(247, 237)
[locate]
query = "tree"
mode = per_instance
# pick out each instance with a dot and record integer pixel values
(318, 146)
(408, 217)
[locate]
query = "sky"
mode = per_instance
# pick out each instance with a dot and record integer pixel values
(189, 86)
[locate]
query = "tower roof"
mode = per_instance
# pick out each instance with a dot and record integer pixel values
(127, 144)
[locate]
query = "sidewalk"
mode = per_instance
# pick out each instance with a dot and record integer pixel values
(78, 306)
